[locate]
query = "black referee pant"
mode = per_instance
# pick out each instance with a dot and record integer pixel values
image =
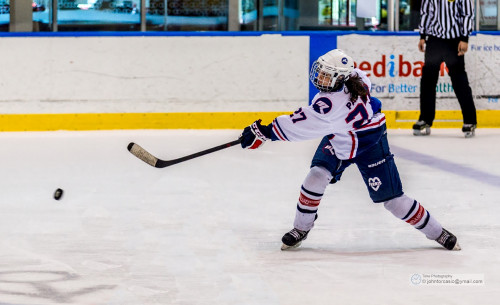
(438, 50)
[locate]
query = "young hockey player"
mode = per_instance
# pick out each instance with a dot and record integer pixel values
(354, 131)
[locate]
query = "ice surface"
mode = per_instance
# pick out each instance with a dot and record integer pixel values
(208, 231)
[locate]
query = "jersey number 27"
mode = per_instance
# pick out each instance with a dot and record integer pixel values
(298, 115)
(359, 110)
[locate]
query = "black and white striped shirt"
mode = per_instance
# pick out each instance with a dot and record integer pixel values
(446, 19)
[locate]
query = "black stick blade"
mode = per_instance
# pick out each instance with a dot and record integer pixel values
(142, 154)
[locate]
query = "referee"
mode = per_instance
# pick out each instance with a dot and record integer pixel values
(445, 27)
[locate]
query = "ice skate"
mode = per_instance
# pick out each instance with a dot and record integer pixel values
(448, 240)
(469, 130)
(293, 239)
(421, 128)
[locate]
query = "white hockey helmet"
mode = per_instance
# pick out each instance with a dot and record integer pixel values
(331, 70)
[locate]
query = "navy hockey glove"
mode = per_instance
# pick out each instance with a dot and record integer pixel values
(255, 135)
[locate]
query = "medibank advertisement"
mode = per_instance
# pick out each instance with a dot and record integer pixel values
(394, 65)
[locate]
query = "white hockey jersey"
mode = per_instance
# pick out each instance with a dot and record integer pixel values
(332, 114)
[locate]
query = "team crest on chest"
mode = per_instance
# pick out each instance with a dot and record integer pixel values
(322, 105)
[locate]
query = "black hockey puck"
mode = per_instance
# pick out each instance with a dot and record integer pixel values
(58, 194)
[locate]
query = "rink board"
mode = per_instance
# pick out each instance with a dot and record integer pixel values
(206, 120)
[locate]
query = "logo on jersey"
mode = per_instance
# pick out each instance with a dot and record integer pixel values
(344, 60)
(374, 183)
(322, 105)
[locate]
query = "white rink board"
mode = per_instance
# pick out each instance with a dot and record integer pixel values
(139, 74)
(153, 74)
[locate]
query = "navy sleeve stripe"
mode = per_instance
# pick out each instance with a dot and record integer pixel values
(279, 130)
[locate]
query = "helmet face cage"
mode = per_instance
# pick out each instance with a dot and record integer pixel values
(326, 78)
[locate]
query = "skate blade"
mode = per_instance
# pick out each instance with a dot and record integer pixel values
(457, 247)
(424, 132)
(285, 247)
(469, 134)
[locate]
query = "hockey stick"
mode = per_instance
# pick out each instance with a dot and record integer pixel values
(145, 156)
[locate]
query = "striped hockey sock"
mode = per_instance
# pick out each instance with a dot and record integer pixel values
(413, 213)
(310, 196)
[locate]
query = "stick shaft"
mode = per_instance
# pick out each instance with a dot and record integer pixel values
(147, 157)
